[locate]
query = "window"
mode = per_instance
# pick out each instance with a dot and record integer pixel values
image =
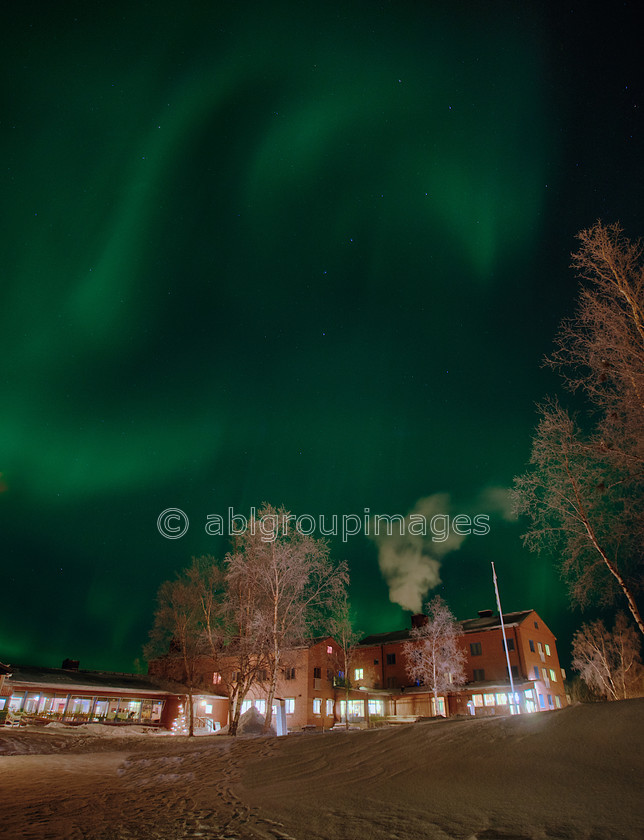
(557, 701)
(528, 694)
(358, 674)
(477, 699)
(289, 704)
(391, 659)
(542, 703)
(553, 676)
(501, 699)
(547, 650)
(317, 705)
(289, 673)
(329, 707)
(260, 705)
(375, 707)
(208, 707)
(329, 674)
(245, 706)
(488, 699)
(475, 648)
(375, 662)
(438, 706)
(531, 643)
(510, 645)
(515, 671)
(317, 673)
(261, 675)
(536, 625)
(216, 678)
(479, 674)
(550, 703)
(235, 676)
(536, 672)
(329, 649)
(540, 648)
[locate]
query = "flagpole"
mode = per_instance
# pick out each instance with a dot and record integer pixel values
(505, 643)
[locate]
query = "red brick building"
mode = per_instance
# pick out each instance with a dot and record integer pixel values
(311, 682)
(537, 675)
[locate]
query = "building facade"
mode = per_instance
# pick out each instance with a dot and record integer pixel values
(312, 684)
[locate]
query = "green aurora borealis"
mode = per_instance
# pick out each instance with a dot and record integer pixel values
(305, 253)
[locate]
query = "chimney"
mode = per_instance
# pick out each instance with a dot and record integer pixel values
(70, 665)
(419, 620)
(486, 613)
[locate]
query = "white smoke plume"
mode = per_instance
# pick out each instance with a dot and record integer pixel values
(410, 560)
(496, 501)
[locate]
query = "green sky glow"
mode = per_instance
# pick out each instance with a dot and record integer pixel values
(295, 255)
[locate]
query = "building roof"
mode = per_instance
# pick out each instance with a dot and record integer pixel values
(485, 622)
(489, 622)
(68, 678)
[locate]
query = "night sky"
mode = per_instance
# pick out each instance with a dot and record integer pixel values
(304, 253)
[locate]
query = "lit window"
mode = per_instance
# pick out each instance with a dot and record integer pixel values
(289, 704)
(539, 646)
(216, 678)
(477, 699)
(488, 699)
(358, 674)
(475, 648)
(557, 701)
(502, 699)
(375, 707)
(245, 706)
(208, 709)
(329, 648)
(329, 707)
(547, 650)
(553, 676)
(317, 705)
(536, 673)
(542, 702)
(528, 694)
(260, 705)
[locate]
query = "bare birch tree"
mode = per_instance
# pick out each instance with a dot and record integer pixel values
(178, 631)
(434, 656)
(296, 581)
(608, 661)
(245, 641)
(342, 629)
(584, 492)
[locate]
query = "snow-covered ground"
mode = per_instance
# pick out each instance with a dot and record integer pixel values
(576, 774)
